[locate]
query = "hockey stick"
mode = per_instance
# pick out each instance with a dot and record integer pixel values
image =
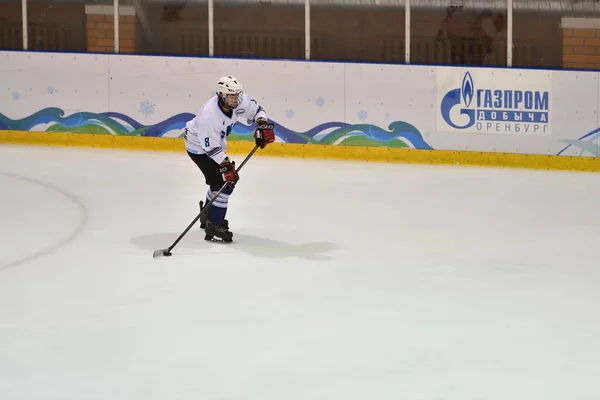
(167, 252)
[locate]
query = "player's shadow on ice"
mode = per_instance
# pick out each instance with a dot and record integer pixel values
(193, 243)
(269, 248)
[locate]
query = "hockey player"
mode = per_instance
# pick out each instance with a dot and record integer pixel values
(205, 139)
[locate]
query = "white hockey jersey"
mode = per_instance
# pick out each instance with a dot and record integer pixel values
(207, 132)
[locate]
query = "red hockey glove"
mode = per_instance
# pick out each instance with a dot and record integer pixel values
(264, 133)
(227, 170)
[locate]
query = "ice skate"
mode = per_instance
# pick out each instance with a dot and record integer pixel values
(204, 218)
(218, 233)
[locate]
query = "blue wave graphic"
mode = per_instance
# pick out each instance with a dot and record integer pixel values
(126, 118)
(398, 134)
(175, 122)
(584, 145)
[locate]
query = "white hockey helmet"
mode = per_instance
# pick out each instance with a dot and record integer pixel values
(229, 85)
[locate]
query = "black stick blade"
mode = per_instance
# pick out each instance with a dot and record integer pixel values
(161, 253)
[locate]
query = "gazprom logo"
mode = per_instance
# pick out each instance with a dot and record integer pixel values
(467, 89)
(495, 109)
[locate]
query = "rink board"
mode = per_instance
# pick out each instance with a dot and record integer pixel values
(356, 153)
(355, 111)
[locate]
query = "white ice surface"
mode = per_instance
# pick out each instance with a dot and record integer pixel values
(346, 281)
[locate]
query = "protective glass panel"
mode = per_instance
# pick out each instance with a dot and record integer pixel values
(357, 30)
(11, 25)
(54, 25)
(259, 29)
(466, 32)
(172, 27)
(553, 34)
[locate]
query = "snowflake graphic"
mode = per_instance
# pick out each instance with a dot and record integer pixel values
(362, 115)
(146, 107)
(320, 101)
(290, 113)
(387, 115)
(16, 95)
(51, 90)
